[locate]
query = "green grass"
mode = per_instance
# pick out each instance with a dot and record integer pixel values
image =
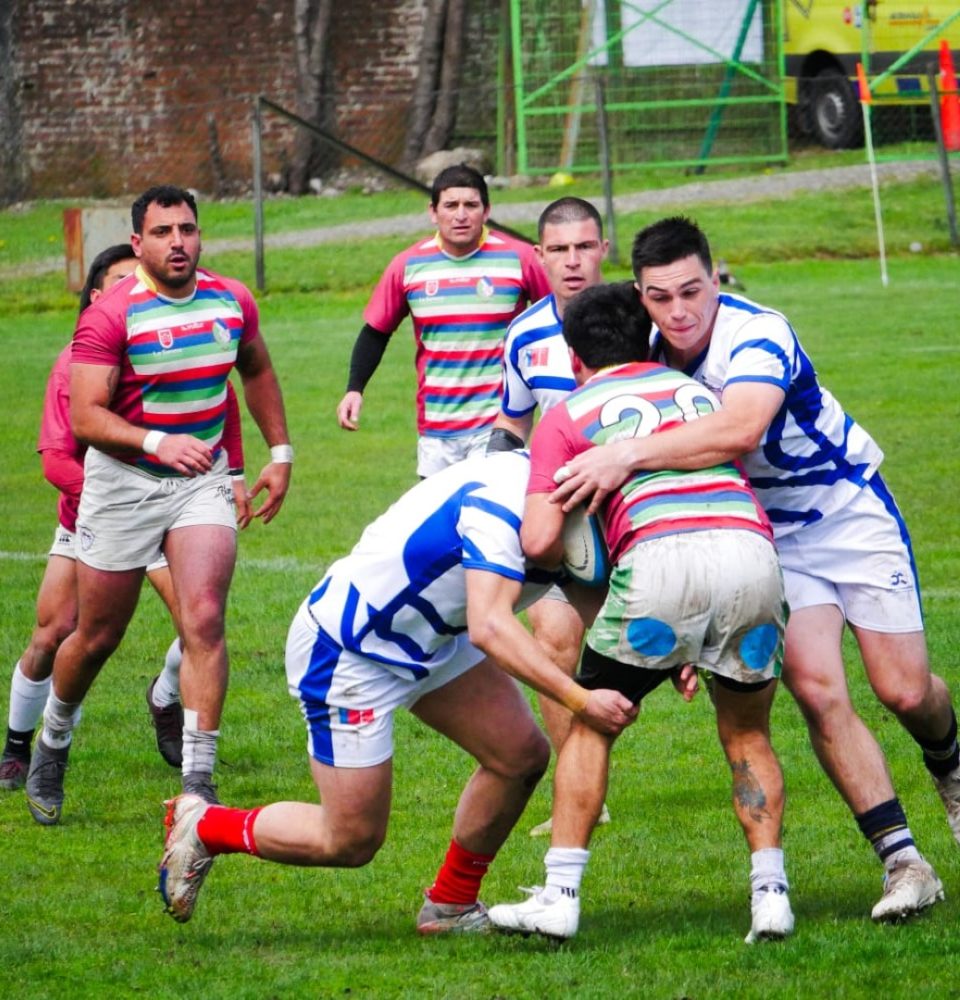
(665, 904)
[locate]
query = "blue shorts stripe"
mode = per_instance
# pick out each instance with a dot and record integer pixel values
(879, 488)
(314, 688)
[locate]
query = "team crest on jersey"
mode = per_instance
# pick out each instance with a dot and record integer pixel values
(485, 288)
(221, 333)
(166, 338)
(431, 287)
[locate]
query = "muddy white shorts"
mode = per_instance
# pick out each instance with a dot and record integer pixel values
(64, 542)
(125, 513)
(712, 598)
(860, 560)
(348, 700)
(436, 453)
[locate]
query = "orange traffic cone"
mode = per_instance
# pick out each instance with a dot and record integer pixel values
(950, 101)
(863, 88)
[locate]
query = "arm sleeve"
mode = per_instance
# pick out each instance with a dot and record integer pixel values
(248, 309)
(388, 304)
(765, 351)
(232, 434)
(517, 400)
(552, 444)
(367, 352)
(55, 429)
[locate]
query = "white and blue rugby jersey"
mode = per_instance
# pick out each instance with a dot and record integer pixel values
(399, 597)
(536, 363)
(813, 457)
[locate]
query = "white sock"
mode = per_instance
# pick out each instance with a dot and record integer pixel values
(766, 869)
(27, 699)
(199, 745)
(565, 867)
(904, 854)
(59, 720)
(167, 689)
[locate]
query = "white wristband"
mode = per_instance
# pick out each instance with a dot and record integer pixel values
(152, 442)
(281, 453)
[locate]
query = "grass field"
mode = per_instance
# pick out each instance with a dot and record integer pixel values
(665, 899)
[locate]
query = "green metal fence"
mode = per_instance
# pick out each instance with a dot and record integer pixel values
(682, 83)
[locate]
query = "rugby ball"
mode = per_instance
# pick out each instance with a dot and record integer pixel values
(585, 555)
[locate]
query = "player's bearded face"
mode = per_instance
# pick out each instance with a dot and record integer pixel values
(169, 247)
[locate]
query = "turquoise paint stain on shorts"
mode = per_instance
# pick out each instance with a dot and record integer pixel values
(758, 645)
(651, 637)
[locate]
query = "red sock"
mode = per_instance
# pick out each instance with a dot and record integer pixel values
(458, 880)
(228, 831)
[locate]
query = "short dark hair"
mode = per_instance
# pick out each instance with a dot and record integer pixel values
(667, 241)
(568, 209)
(164, 195)
(607, 325)
(98, 269)
(459, 176)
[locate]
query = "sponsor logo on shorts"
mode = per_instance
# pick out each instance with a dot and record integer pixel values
(900, 579)
(87, 538)
(226, 492)
(63, 537)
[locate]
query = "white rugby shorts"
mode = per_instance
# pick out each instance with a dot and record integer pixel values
(348, 700)
(64, 542)
(859, 560)
(436, 453)
(125, 513)
(713, 598)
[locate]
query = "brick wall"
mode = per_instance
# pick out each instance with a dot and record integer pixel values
(113, 95)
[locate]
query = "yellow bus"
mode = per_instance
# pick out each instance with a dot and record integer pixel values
(824, 40)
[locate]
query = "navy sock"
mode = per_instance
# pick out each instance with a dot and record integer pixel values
(885, 826)
(18, 744)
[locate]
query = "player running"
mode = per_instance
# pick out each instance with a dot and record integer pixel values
(461, 288)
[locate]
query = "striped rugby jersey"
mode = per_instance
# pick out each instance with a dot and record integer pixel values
(536, 362)
(399, 598)
(813, 458)
(635, 400)
(174, 355)
(460, 308)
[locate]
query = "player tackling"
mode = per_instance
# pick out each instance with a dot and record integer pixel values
(420, 615)
(843, 544)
